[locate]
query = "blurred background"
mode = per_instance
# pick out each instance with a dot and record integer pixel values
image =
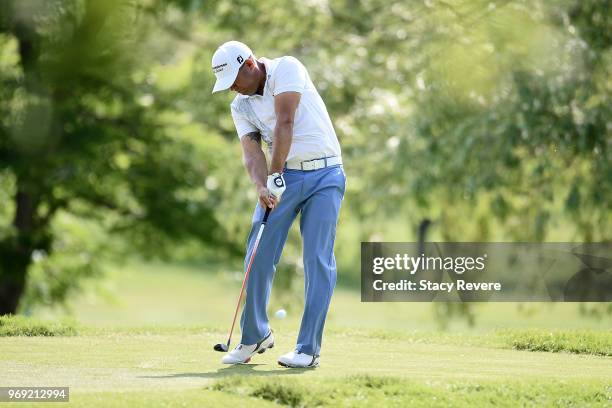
(123, 199)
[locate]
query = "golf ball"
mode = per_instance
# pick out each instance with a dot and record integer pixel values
(280, 314)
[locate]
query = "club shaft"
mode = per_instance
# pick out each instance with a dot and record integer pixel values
(248, 270)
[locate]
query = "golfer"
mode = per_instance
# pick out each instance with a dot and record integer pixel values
(277, 102)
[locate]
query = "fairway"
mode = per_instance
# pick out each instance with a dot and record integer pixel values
(148, 347)
(179, 364)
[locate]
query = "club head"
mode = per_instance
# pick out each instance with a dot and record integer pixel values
(221, 347)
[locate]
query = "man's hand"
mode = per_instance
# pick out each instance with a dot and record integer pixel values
(276, 184)
(266, 199)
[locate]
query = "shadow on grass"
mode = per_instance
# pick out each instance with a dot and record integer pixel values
(238, 369)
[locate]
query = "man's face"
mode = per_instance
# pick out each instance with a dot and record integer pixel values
(246, 81)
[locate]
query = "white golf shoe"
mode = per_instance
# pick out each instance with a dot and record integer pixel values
(242, 353)
(295, 359)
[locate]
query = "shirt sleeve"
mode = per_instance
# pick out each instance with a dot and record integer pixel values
(290, 76)
(243, 126)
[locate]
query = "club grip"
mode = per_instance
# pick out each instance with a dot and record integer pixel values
(265, 217)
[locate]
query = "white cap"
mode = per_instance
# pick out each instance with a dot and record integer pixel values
(226, 62)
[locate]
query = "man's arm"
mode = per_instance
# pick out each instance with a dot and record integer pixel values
(285, 105)
(254, 161)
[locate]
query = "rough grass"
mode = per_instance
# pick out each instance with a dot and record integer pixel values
(367, 391)
(572, 341)
(584, 341)
(23, 326)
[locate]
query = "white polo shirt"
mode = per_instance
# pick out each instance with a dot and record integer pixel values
(313, 133)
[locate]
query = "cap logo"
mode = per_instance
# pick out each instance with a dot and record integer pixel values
(240, 59)
(219, 68)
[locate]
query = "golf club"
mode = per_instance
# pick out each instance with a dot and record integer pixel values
(225, 347)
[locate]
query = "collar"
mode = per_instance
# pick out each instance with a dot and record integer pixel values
(269, 69)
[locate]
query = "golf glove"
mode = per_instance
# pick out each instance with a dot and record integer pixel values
(276, 184)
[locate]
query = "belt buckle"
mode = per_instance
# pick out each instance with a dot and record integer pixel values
(314, 164)
(308, 165)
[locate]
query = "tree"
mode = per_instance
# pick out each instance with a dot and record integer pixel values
(81, 133)
(488, 117)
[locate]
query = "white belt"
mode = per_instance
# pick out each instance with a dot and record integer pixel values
(314, 164)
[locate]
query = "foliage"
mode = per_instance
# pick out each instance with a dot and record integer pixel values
(83, 135)
(490, 118)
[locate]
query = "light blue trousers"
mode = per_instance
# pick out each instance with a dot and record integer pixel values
(317, 195)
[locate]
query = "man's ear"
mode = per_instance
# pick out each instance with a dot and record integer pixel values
(250, 62)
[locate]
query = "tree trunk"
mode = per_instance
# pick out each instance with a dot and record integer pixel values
(30, 231)
(13, 270)
(16, 254)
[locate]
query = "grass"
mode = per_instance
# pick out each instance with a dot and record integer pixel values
(368, 391)
(107, 367)
(22, 326)
(574, 341)
(150, 344)
(155, 294)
